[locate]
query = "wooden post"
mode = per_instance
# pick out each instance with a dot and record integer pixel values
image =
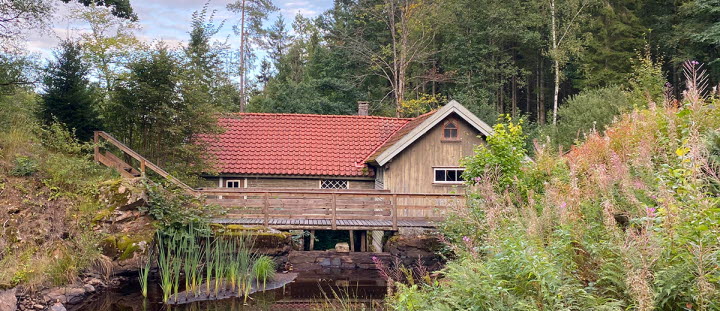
(96, 147)
(363, 241)
(266, 207)
(352, 240)
(394, 212)
(142, 167)
(334, 211)
(312, 239)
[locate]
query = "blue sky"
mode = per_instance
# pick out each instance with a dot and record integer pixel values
(169, 20)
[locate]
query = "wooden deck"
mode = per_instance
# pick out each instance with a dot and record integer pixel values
(320, 209)
(331, 209)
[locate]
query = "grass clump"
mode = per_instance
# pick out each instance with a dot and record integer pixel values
(263, 269)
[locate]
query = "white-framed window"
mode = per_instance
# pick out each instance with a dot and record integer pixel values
(233, 183)
(445, 175)
(333, 184)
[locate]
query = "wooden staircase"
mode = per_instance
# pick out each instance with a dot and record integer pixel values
(126, 170)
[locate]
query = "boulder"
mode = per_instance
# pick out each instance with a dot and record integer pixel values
(411, 248)
(8, 300)
(342, 247)
(58, 307)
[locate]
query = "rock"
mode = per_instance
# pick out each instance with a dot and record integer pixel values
(95, 282)
(410, 248)
(38, 306)
(69, 295)
(58, 307)
(342, 247)
(89, 288)
(8, 301)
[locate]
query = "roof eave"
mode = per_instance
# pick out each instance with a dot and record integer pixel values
(432, 121)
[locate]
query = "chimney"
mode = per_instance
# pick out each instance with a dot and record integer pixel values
(363, 108)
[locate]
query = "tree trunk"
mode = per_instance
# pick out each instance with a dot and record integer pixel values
(556, 62)
(514, 96)
(541, 90)
(242, 57)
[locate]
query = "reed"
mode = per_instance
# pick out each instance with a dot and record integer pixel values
(208, 263)
(220, 265)
(232, 271)
(144, 272)
(263, 269)
(178, 242)
(193, 258)
(165, 263)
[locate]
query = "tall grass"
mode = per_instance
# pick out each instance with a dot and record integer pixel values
(222, 263)
(144, 272)
(263, 269)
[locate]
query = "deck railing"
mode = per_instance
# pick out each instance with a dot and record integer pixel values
(332, 205)
(312, 205)
(126, 170)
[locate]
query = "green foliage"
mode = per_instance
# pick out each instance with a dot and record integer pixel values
(591, 110)
(68, 97)
(158, 115)
(503, 155)
(176, 210)
(647, 81)
(119, 8)
(24, 166)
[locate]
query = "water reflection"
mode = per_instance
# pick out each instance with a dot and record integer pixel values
(311, 291)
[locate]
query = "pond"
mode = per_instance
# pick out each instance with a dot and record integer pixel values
(312, 290)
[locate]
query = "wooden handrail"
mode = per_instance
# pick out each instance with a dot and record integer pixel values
(144, 163)
(306, 191)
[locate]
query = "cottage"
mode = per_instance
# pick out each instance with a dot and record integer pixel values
(305, 151)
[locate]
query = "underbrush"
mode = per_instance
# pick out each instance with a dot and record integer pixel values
(48, 198)
(627, 220)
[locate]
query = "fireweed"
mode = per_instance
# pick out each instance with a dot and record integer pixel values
(626, 220)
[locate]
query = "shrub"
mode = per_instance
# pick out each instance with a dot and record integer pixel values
(590, 110)
(503, 155)
(176, 210)
(24, 166)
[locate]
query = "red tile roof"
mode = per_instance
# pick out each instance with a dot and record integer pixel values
(300, 144)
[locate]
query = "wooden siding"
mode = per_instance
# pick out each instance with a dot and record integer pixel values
(411, 171)
(285, 183)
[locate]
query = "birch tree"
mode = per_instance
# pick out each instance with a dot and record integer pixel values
(250, 29)
(109, 43)
(566, 19)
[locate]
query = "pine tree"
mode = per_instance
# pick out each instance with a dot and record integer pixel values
(68, 97)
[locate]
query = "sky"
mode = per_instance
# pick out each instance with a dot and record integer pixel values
(167, 20)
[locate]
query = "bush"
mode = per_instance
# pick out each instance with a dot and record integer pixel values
(503, 155)
(590, 110)
(24, 166)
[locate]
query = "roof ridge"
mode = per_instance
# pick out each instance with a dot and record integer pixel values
(312, 115)
(390, 136)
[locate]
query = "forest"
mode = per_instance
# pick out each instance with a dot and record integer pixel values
(598, 191)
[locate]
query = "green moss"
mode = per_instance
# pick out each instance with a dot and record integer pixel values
(125, 246)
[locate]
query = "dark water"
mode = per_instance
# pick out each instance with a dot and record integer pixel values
(312, 290)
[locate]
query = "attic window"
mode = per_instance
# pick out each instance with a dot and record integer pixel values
(232, 184)
(333, 184)
(450, 131)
